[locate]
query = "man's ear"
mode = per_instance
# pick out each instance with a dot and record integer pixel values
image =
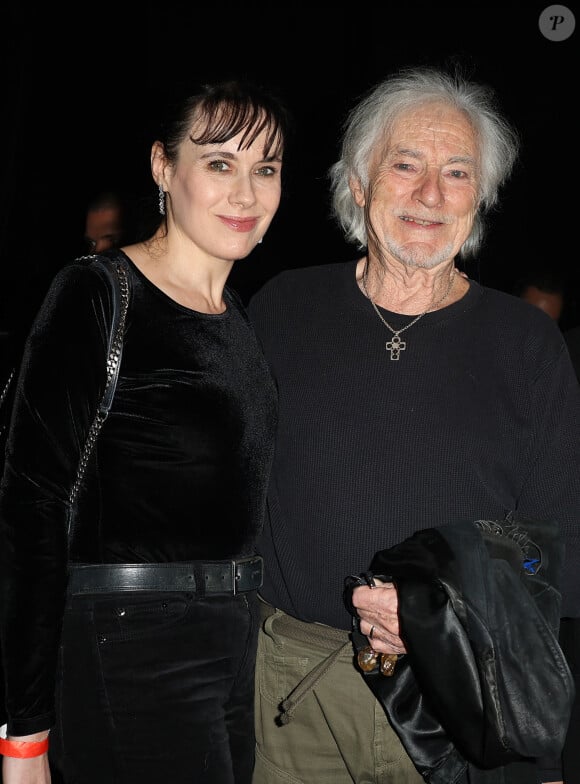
(357, 191)
(158, 163)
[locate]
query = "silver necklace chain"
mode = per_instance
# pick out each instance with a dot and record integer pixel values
(395, 345)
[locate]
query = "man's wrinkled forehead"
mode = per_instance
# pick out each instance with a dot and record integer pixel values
(429, 126)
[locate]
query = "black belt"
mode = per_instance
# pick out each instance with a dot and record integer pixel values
(199, 577)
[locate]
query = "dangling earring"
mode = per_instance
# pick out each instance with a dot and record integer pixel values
(161, 200)
(260, 240)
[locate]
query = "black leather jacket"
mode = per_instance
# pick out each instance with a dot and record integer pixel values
(485, 684)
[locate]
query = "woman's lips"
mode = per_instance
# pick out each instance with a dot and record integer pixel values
(239, 224)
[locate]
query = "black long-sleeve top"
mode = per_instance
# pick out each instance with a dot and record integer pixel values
(179, 471)
(479, 417)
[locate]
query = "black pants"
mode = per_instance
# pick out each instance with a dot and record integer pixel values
(156, 688)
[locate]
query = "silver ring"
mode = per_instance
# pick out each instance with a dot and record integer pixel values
(372, 631)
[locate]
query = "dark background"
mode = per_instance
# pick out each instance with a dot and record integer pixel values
(81, 89)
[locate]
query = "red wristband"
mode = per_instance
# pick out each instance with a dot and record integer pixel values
(23, 748)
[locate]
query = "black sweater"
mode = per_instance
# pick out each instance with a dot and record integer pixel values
(478, 418)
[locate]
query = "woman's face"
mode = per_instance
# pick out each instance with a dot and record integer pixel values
(221, 198)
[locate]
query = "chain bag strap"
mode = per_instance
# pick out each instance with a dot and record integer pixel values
(6, 389)
(5, 405)
(120, 289)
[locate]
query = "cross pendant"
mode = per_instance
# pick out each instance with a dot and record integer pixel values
(395, 345)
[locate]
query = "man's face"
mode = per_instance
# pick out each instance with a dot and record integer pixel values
(423, 189)
(551, 302)
(103, 228)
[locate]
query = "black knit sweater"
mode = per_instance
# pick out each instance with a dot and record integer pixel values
(478, 418)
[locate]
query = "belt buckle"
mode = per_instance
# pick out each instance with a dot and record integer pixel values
(237, 566)
(235, 576)
(236, 571)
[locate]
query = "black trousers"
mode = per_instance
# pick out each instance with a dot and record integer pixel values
(156, 687)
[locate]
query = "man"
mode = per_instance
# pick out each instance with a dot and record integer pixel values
(545, 289)
(104, 222)
(409, 397)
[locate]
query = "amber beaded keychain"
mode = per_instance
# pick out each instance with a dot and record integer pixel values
(368, 659)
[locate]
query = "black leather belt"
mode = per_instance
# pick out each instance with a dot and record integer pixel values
(199, 577)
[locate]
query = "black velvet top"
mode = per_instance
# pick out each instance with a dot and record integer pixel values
(179, 471)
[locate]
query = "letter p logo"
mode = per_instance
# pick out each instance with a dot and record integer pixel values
(556, 22)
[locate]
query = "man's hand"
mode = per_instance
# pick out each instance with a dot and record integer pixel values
(377, 609)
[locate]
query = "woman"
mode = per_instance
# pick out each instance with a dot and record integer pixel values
(152, 682)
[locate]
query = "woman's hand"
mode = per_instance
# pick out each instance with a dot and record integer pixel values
(31, 770)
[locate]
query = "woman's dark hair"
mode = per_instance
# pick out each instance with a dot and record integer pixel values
(221, 111)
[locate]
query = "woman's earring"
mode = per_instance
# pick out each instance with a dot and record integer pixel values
(161, 200)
